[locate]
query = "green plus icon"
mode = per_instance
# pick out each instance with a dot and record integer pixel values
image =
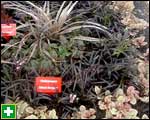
(8, 111)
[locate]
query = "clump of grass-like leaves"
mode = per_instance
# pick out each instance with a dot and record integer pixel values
(46, 25)
(53, 44)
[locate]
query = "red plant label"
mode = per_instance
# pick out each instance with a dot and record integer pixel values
(48, 85)
(8, 30)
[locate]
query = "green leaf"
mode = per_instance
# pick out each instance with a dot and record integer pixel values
(107, 19)
(34, 64)
(53, 53)
(6, 72)
(52, 45)
(63, 52)
(121, 48)
(45, 63)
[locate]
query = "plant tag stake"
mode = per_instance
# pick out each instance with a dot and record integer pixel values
(8, 30)
(48, 85)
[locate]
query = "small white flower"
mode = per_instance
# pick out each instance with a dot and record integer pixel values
(72, 98)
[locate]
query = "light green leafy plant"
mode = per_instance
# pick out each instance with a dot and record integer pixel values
(25, 111)
(118, 105)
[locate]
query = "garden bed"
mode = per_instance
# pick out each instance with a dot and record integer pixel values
(96, 47)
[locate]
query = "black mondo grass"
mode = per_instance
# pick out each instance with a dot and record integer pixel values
(82, 64)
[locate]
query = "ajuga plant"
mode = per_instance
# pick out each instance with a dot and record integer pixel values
(47, 25)
(44, 30)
